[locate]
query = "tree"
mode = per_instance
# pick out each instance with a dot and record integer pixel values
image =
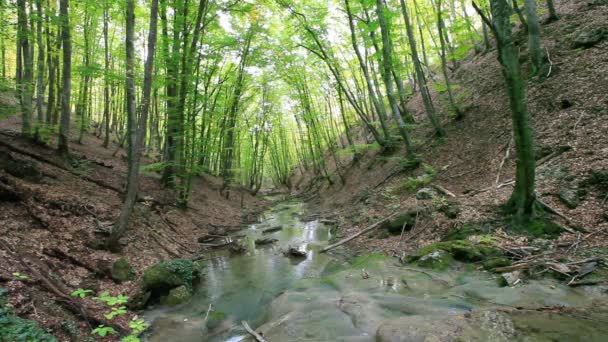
(426, 97)
(537, 55)
(66, 90)
(522, 201)
(552, 12)
(25, 66)
(137, 127)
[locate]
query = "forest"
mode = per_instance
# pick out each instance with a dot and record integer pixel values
(303, 170)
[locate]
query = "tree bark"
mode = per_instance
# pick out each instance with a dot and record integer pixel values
(66, 90)
(136, 127)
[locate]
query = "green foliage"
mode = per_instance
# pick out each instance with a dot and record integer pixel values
(413, 184)
(82, 293)
(115, 312)
(17, 329)
(20, 276)
(112, 300)
(103, 331)
(130, 338)
(138, 325)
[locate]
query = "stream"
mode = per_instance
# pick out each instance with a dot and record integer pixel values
(333, 297)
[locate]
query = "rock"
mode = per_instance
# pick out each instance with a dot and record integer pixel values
(418, 329)
(451, 210)
(265, 241)
(510, 278)
(438, 260)
(461, 250)
(425, 194)
(496, 325)
(570, 197)
(161, 278)
(122, 271)
(295, 252)
(177, 296)
(588, 37)
(23, 169)
(272, 230)
(215, 319)
(605, 216)
(396, 225)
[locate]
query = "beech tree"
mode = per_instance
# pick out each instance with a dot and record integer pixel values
(522, 201)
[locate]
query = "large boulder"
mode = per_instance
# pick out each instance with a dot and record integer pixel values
(167, 282)
(588, 36)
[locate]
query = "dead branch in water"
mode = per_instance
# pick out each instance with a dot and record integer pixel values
(352, 237)
(257, 336)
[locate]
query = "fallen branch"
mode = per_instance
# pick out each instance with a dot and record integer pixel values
(443, 190)
(504, 160)
(352, 237)
(257, 336)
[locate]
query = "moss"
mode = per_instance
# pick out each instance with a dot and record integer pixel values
(177, 296)
(541, 227)
(493, 263)
(169, 274)
(396, 225)
(461, 250)
(122, 270)
(438, 260)
(215, 319)
(461, 233)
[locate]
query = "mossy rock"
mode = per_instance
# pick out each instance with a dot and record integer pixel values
(461, 250)
(396, 225)
(438, 260)
(542, 227)
(161, 278)
(450, 210)
(461, 233)
(494, 263)
(122, 270)
(215, 319)
(178, 295)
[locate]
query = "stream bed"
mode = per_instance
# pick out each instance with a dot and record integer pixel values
(333, 297)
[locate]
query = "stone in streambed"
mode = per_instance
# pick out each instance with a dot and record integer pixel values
(265, 241)
(122, 271)
(438, 260)
(177, 296)
(418, 328)
(399, 223)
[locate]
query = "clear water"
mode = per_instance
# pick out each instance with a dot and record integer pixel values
(242, 286)
(325, 298)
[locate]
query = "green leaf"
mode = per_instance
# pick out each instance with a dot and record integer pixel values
(103, 331)
(82, 293)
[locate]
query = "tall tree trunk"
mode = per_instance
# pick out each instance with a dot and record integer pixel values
(136, 127)
(387, 64)
(521, 203)
(66, 89)
(26, 74)
(534, 44)
(444, 63)
(552, 12)
(424, 92)
(106, 77)
(40, 71)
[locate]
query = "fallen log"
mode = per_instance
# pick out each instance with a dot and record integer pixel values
(272, 230)
(257, 336)
(354, 236)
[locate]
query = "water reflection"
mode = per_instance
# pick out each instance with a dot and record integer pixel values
(242, 286)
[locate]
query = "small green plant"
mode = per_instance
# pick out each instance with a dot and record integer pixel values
(82, 293)
(111, 300)
(137, 325)
(20, 276)
(413, 184)
(115, 312)
(130, 338)
(103, 331)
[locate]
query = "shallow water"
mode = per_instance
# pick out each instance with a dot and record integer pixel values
(242, 286)
(368, 298)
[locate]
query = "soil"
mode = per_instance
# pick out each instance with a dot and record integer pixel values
(569, 109)
(53, 221)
